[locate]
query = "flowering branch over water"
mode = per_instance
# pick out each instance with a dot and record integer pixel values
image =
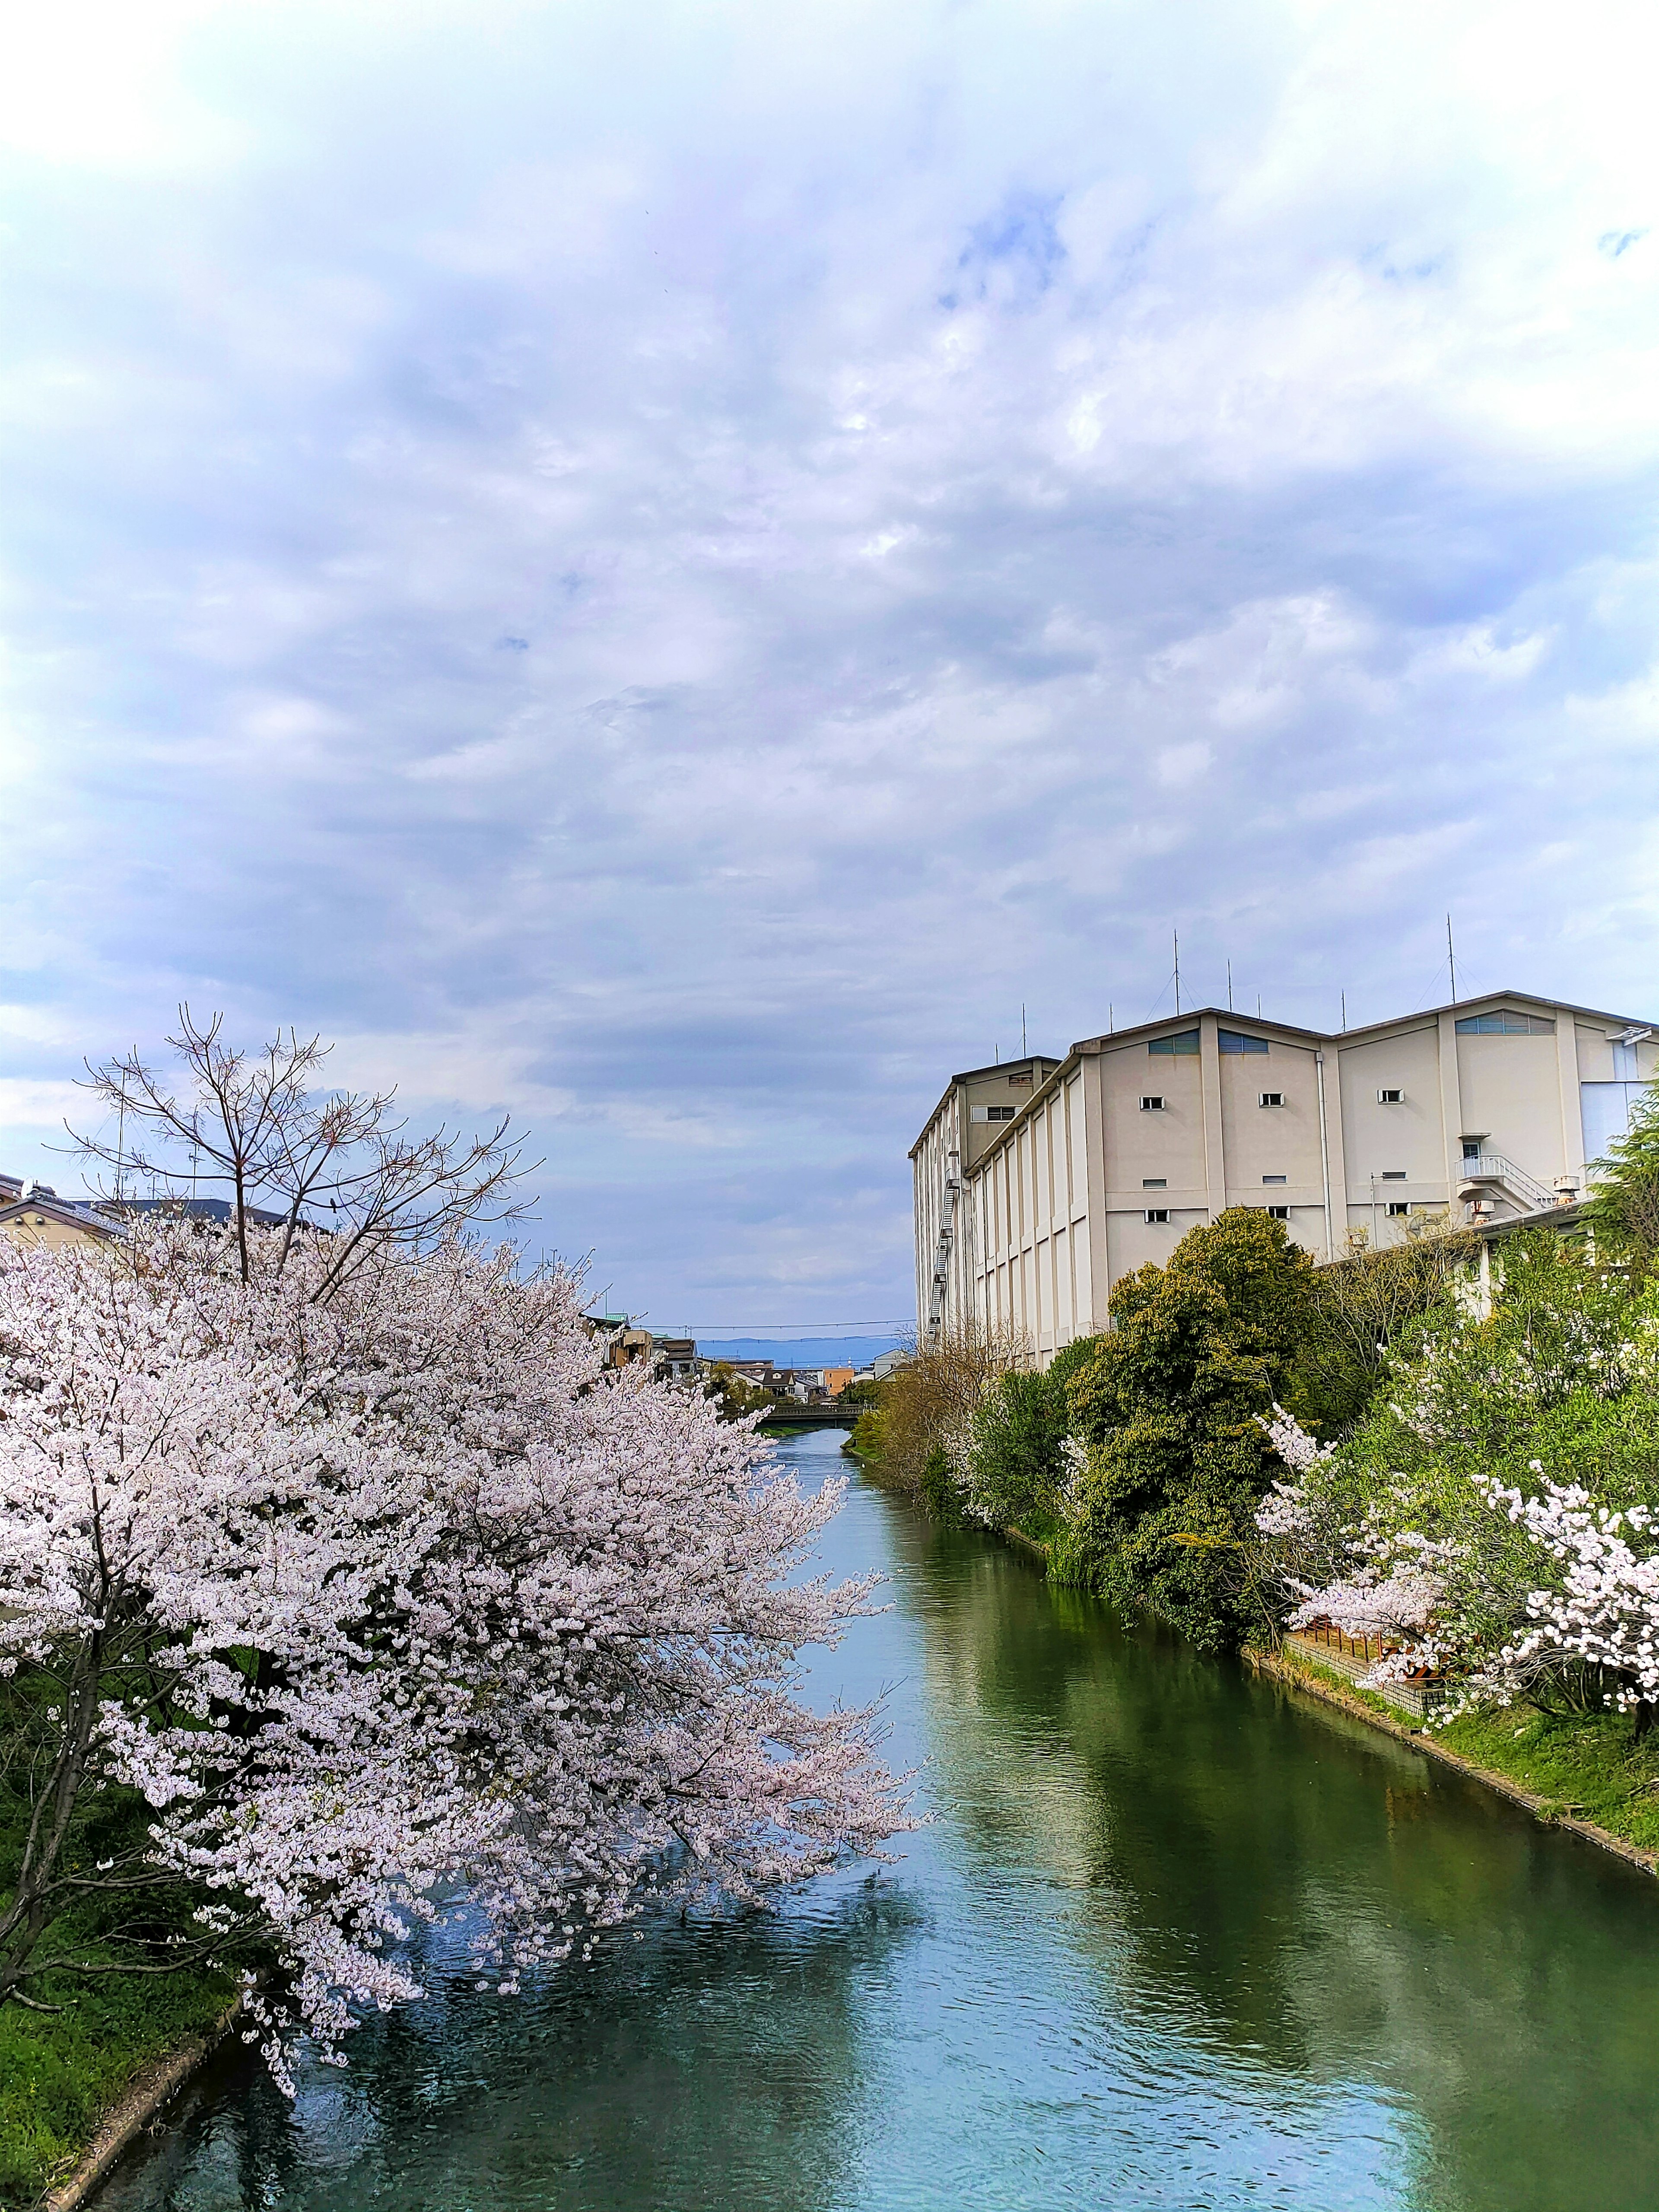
(393, 1604)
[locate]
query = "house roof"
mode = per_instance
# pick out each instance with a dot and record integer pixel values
(69, 1213)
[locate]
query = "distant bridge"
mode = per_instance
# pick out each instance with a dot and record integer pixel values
(811, 1417)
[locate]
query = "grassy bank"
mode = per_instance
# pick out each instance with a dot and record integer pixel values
(61, 2072)
(1586, 1770)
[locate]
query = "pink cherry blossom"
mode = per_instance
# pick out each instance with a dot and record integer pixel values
(395, 1605)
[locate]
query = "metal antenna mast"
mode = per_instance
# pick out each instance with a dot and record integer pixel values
(1451, 960)
(1230, 987)
(1176, 934)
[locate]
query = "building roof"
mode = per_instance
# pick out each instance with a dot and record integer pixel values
(1262, 1025)
(69, 1213)
(1031, 1060)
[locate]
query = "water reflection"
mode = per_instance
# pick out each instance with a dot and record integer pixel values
(1173, 1941)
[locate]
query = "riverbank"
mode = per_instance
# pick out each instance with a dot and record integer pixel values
(71, 2080)
(1583, 1772)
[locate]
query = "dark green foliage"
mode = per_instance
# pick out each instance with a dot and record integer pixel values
(1168, 1406)
(1624, 1200)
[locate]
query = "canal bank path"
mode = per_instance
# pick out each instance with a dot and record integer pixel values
(1176, 1942)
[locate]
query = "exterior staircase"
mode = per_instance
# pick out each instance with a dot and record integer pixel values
(1495, 1174)
(947, 1232)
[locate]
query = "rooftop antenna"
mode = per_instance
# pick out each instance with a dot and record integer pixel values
(1111, 1018)
(1451, 960)
(121, 1142)
(1258, 1005)
(1021, 1029)
(1230, 987)
(1176, 934)
(1345, 1010)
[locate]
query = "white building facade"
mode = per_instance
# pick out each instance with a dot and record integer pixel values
(1038, 1185)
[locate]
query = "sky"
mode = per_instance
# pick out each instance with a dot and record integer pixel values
(671, 569)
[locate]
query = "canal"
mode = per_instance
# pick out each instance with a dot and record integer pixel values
(1174, 1939)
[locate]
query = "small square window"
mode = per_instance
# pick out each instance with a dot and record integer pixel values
(1153, 1103)
(1273, 1098)
(1471, 1148)
(1155, 1182)
(1393, 1175)
(1279, 1212)
(1396, 1208)
(1275, 1178)
(1389, 1098)
(1158, 1214)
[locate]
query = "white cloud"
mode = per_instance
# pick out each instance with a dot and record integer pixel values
(672, 582)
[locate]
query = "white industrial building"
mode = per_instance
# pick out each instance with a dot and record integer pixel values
(1039, 1183)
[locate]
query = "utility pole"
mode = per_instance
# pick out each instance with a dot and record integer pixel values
(1176, 934)
(1451, 960)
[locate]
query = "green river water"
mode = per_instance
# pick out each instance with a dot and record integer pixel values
(1176, 1939)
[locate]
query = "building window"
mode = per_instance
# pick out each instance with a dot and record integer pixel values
(1155, 1182)
(1151, 1104)
(1275, 1178)
(1505, 1024)
(1472, 1148)
(1273, 1098)
(1158, 1214)
(1236, 1041)
(1393, 1175)
(1390, 1097)
(1183, 1040)
(1396, 1208)
(1279, 1213)
(992, 1113)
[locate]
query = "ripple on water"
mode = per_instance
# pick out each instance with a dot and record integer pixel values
(1169, 1947)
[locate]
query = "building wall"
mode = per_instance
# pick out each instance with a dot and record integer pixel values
(1055, 1204)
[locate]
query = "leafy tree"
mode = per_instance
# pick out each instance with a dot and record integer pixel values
(1168, 1408)
(1016, 1463)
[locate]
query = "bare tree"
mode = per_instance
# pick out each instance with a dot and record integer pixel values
(263, 1126)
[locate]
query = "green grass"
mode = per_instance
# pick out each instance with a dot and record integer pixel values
(60, 2073)
(1587, 1765)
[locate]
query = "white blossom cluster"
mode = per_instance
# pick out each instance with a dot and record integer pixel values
(398, 1604)
(1603, 1610)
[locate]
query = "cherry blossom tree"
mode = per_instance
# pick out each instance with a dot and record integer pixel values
(1601, 1608)
(392, 1605)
